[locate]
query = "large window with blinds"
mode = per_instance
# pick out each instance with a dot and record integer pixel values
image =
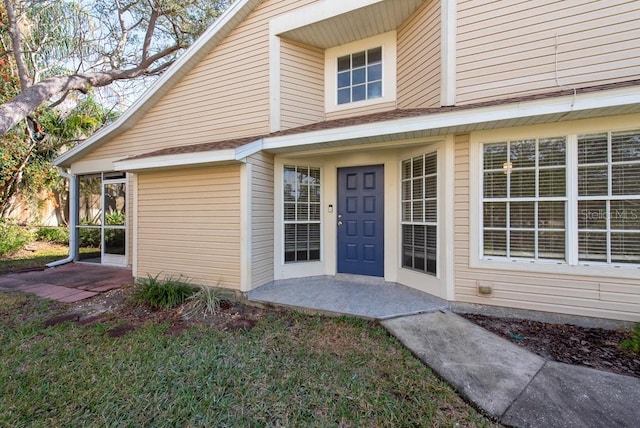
(301, 210)
(609, 197)
(524, 187)
(571, 199)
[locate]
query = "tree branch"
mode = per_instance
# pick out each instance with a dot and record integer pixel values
(149, 34)
(16, 44)
(29, 99)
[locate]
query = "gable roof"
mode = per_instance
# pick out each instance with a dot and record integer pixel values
(229, 19)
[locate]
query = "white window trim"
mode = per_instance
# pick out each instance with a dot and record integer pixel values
(300, 269)
(388, 43)
(570, 266)
(436, 223)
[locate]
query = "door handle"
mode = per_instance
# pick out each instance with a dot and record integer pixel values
(339, 223)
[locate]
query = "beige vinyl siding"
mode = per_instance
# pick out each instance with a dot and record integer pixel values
(358, 111)
(189, 224)
(595, 296)
(225, 96)
(419, 58)
(261, 219)
(302, 84)
(509, 48)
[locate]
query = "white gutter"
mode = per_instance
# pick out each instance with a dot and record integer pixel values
(73, 220)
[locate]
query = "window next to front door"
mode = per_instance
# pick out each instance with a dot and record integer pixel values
(420, 213)
(301, 200)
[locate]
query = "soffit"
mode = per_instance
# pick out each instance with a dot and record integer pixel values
(324, 25)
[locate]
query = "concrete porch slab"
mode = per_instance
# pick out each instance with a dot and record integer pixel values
(374, 299)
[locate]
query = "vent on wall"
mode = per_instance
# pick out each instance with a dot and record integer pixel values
(484, 288)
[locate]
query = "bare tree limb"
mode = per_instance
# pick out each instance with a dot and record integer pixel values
(60, 100)
(151, 27)
(16, 44)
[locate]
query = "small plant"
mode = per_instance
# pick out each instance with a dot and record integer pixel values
(207, 300)
(12, 237)
(56, 235)
(632, 343)
(163, 293)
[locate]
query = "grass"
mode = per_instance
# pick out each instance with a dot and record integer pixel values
(289, 370)
(39, 259)
(36, 260)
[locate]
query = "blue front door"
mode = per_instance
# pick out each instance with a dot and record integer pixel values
(361, 220)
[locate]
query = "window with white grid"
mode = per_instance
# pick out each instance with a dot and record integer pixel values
(524, 199)
(419, 183)
(609, 197)
(572, 199)
(301, 210)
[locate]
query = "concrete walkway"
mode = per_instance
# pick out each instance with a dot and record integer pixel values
(508, 383)
(365, 297)
(67, 283)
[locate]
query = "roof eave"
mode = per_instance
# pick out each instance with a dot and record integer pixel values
(462, 119)
(201, 47)
(234, 155)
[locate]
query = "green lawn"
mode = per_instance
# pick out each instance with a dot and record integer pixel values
(289, 370)
(37, 259)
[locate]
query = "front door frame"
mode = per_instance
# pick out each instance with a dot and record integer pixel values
(360, 232)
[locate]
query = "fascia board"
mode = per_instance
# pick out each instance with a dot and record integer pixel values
(203, 44)
(565, 104)
(315, 13)
(168, 161)
(248, 149)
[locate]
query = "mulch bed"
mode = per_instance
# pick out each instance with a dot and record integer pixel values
(591, 347)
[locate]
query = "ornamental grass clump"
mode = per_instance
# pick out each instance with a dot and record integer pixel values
(207, 301)
(163, 293)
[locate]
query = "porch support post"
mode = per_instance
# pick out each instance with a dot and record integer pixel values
(448, 52)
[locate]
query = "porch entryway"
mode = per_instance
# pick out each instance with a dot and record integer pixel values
(361, 220)
(362, 296)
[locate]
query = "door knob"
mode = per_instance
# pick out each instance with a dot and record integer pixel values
(339, 223)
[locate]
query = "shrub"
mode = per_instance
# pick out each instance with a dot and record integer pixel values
(89, 237)
(56, 235)
(166, 293)
(207, 300)
(12, 237)
(632, 343)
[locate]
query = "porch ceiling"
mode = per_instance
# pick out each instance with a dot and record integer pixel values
(332, 23)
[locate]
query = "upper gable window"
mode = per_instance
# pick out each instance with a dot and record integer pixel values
(361, 73)
(360, 76)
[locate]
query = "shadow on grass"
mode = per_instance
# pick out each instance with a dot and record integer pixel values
(38, 259)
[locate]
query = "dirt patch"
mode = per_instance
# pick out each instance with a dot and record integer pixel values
(119, 305)
(590, 347)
